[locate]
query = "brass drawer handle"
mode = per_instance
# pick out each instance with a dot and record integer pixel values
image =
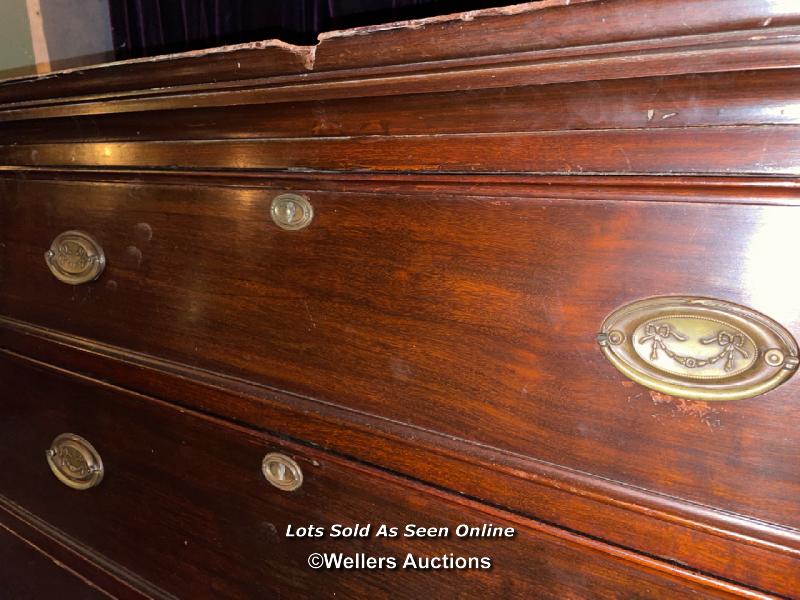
(282, 471)
(698, 348)
(75, 257)
(291, 211)
(75, 462)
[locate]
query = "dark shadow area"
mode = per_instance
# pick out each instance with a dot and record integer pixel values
(152, 27)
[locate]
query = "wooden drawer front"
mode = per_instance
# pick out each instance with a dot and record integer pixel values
(30, 575)
(471, 316)
(184, 504)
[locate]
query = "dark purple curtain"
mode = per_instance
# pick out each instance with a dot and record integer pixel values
(150, 27)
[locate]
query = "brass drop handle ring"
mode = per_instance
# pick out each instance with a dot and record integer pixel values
(75, 462)
(75, 257)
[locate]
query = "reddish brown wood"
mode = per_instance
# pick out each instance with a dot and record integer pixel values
(31, 575)
(360, 374)
(548, 25)
(437, 318)
(258, 59)
(766, 556)
(552, 26)
(734, 190)
(697, 54)
(726, 99)
(218, 530)
(112, 579)
(750, 150)
(464, 320)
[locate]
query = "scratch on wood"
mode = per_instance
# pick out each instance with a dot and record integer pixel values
(627, 160)
(310, 317)
(690, 408)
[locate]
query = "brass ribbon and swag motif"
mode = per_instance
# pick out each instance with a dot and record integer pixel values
(75, 462)
(698, 348)
(75, 257)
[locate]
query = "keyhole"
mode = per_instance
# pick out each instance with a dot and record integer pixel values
(282, 471)
(289, 210)
(279, 471)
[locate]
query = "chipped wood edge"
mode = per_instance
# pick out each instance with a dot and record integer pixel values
(310, 61)
(306, 54)
(470, 15)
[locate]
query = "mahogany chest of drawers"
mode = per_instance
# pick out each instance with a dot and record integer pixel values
(526, 268)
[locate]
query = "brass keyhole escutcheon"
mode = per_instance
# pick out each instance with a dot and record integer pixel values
(75, 257)
(291, 211)
(75, 462)
(282, 471)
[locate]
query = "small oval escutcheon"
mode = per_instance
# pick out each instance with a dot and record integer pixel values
(698, 348)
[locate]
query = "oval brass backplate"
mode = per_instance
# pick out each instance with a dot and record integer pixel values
(75, 462)
(698, 348)
(75, 257)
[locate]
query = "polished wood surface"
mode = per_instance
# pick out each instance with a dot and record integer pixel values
(629, 516)
(29, 575)
(473, 317)
(552, 25)
(655, 58)
(487, 187)
(718, 99)
(100, 573)
(670, 151)
(191, 487)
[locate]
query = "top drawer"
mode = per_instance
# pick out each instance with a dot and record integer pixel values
(471, 315)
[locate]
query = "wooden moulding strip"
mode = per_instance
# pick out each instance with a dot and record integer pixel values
(694, 578)
(732, 150)
(110, 578)
(577, 501)
(554, 25)
(741, 51)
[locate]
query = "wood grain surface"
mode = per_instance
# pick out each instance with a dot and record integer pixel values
(183, 503)
(487, 187)
(30, 575)
(466, 315)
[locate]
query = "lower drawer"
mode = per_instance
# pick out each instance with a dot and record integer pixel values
(29, 575)
(184, 503)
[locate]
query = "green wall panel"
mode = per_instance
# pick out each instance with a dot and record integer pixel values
(16, 49)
